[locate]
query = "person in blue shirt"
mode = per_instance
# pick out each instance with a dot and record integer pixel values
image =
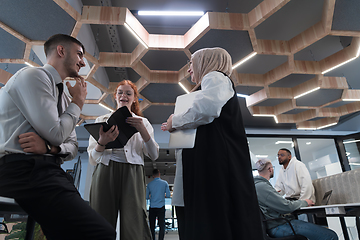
(156, 191)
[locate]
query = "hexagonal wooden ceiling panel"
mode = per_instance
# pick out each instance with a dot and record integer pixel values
(293, 55)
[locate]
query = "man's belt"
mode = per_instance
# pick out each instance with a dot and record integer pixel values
(20, 157)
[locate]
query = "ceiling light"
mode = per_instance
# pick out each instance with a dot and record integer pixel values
(308, 143)
(134, 33)
(276, 120)
(29, 64)
(328, 125)
(347, 153)
(355, 164)
(351, 141)
(312, 90)
(170, 13)
(263, 115)
(351, 100)
(242, 95)
(339, 65)
(104, 106)
(244, 60)
(306, 128)
(261, 156)
(278, 142)
(183, 87)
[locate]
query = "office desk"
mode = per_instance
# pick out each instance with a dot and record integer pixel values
(9, 206)
(336, 210)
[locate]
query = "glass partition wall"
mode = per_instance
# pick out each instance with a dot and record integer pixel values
(320, 155)
(352, 146)
(268, 147)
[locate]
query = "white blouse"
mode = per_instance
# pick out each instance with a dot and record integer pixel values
(134, 149)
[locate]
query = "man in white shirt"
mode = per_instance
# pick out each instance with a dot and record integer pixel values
(37, 133)
(294, 179)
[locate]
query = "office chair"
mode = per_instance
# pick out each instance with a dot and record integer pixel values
(5, 230)
(267, 237)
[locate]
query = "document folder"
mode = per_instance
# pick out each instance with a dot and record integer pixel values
(117, 118)
(183, 138)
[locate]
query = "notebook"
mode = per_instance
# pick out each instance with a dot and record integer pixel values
(326, 198)
(183, 138)
(117, 118)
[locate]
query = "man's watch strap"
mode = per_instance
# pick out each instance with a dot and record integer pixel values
(48, 146)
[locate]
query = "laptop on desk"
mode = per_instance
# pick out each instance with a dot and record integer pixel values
(326, 198)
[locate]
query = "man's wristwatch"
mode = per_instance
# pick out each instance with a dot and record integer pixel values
(48, 146)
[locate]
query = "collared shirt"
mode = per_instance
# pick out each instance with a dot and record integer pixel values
(28, 103)
(295, 181)
(156, 191)
(216, 90)
(134, 149)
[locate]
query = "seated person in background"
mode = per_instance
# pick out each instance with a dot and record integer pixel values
(274, 206)
(294, 179)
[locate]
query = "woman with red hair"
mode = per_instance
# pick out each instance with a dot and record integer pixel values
(118, 182)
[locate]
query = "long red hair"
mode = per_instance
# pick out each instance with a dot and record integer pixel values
(135, 108)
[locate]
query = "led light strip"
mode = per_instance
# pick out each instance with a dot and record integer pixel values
(351, 100)
(134, 33)
(357, 55)
(306, 128)
(183, 87)
(29, 64)
(352, 141)
(267, 115)
(303, 94)
(244, 60)
(328, 125)
(170, 13)
(339, 65)
(242, 95)
(314, 128)
(263, 115)
(278, 142)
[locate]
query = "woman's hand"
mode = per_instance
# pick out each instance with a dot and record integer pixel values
(109, 136)
(138, 123)
(168, 125)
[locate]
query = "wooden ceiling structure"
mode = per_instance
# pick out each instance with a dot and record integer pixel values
(324, 115)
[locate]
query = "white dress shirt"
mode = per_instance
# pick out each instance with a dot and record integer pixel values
(28, 103)
(134, 149)
(216, 90)
(295, 181)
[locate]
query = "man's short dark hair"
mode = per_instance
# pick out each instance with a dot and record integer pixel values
(60, 39)
(285, 149)
(156, 172)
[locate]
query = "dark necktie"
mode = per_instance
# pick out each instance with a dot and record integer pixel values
(61, 89)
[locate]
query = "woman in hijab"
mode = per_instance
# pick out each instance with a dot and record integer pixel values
(219, 194)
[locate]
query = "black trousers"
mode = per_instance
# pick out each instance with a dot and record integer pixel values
(47, 194)
(160, 214)
(180, 215)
